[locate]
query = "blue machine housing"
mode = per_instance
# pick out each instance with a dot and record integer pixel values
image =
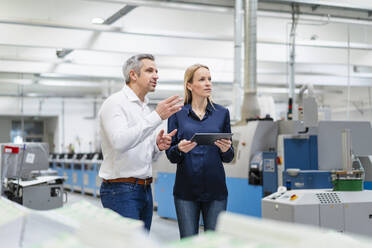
(310, 179)
(270, 173)
(263, 171)
(243, 198)
(302, 153)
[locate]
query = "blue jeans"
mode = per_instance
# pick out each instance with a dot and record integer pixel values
(129, 200)
(188, 213)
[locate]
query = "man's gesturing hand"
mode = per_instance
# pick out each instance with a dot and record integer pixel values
(168, 107)
(164, 141)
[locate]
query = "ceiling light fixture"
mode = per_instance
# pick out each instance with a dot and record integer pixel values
(97, 20)
(17, 81)
(67, 83)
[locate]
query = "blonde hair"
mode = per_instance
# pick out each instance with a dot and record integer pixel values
(188, 78)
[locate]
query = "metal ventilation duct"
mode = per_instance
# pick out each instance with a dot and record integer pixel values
(250, 108)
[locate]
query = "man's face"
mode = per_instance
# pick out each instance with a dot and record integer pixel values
(149, 76)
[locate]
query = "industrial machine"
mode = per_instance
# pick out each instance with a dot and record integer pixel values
(26, 179)
(344, 211)
(346, 207)
(310, 152)
(80, 171)
(307, 160)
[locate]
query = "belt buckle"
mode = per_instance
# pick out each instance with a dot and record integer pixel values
(144, 182)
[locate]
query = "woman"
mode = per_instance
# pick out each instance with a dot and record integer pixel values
(200, 185)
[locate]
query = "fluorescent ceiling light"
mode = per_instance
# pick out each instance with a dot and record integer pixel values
(97, 20)
(275, 90)
(50, 74)
(17, 81)
(69, 83)
(32, 94)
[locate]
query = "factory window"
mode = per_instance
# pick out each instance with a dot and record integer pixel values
(33, 131)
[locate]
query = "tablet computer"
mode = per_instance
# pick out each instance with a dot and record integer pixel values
(209, 138)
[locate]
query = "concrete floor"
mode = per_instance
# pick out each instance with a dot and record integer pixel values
(162, 230)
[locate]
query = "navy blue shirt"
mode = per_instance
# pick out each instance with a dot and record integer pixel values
(200, 174)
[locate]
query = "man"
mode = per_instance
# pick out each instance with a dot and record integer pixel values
(129, 140)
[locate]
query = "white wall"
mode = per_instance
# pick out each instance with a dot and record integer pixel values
(80, 125)
(5, 127)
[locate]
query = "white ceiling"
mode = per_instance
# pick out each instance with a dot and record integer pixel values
(33, 30)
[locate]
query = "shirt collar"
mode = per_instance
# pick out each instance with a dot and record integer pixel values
(209, 108)
(132, 96)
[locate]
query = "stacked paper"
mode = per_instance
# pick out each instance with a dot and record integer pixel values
(80, 225)
(239, 231)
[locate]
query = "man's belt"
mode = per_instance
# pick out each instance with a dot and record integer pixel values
(134, 180)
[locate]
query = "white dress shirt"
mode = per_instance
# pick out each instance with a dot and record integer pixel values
(128, 136)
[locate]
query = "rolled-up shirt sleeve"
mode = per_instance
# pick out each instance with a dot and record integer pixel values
(122, 137)
(173, 153)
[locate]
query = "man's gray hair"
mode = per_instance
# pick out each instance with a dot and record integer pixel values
(135, 63)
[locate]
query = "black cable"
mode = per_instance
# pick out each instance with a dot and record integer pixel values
(305, 131)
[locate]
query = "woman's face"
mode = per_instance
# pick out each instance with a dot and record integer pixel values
(201, 84)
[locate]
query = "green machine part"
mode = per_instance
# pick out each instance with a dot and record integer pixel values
(347, 185)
